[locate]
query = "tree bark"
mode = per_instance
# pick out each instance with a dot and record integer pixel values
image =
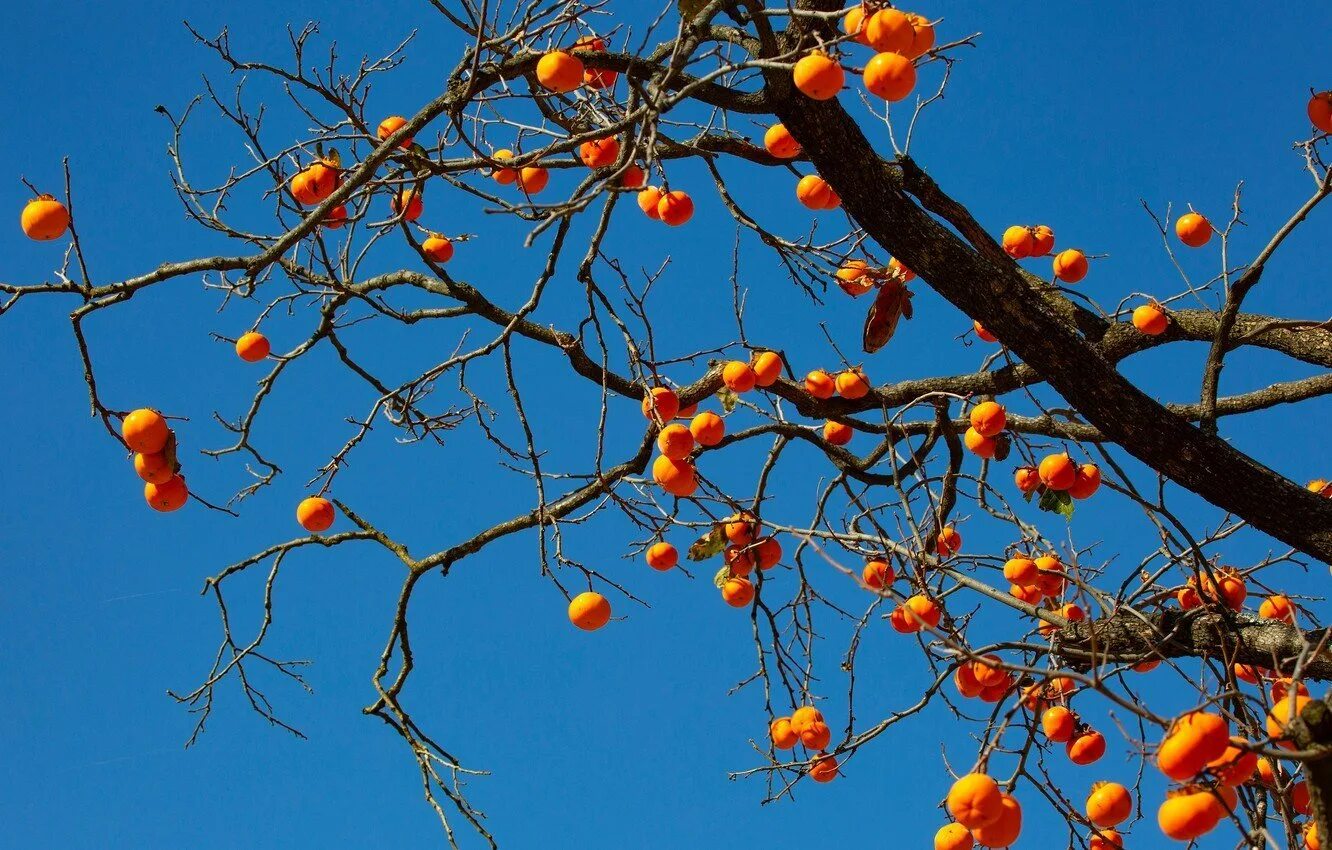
(1229, 638)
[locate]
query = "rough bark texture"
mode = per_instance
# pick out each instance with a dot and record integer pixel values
(985, 284)
(1313, 731)
(1228, 638)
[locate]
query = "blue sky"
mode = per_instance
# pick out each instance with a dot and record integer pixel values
(622, 738)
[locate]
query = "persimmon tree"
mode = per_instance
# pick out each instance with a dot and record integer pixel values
(567, 121)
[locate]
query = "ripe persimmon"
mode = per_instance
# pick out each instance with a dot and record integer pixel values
(336, 218)
(676, 477)
(312, 184)
(837, 433)
(1070, 266)
(767, 366)
(975, 801)
(1018, 242)
(648, 199)
(1236, 765)
(589, 611)
(924, 37)
(559, 72)
(1187, 814)
(1193, 229)
(818, 76)
(988, 671)
(738, 560)
(988, 418)
(1277, 607)
(1005, 829)
(1188, 598)
(675, 441)
(44, 218)
(982, 333)
(780, 143)
(532, 179)
(409, 205)
(1043, 241)
(660, 404)
(1224, 586)
(953, 836)
(979, 445)
(814, 192)
(438, 248)
(782, 735)
(1058, 472)
(503, 176)
(890, 76)
(824, 769)
(738, 376)
(391, 125)
(675, 208)
(852, 384)
(1085, 747)
(1281, 713)
(252, 347)
(662, 556)
(802, 717)
(1193, 740)
(168, 496)
(599, 153)
(1086, 481)
(1320, 111)
(743, 530)
(853, 23)
(877, 574)
(948, 542)
(767, 553)
(1107, 839)
(154, 468)
(1027, 478)
(923, 611)
(738, 592)
(1021, 570)
(708, 428)
(965, 681)
(1151, 319)
(145, 431)
(889, 31)
(1109, 804)
(1058, 723)
(315, 514)
(816, 735)
(633, 177)
(820, 384)
(1050, 575)
(853, 278)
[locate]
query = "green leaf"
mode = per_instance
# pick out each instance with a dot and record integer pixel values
(709, 545)
(723, 575)
(1057, 502)
(728, 399)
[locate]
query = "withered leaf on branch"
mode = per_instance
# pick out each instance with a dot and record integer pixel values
(728, 399)
(709, 545)
(890, 305)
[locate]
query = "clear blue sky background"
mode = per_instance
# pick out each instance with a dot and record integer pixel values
(619, 739)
